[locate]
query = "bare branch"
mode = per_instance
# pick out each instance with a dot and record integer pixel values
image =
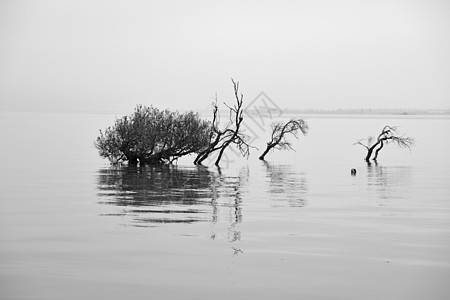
(360, 142)
(279, 133)
(388, 134)
(220, 139)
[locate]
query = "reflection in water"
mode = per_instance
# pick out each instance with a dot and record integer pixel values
(157, 194)
(286, 184)
(229, 189)
(388, 182)
(171, 194)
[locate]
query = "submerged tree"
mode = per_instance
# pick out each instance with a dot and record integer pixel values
(389, 134)
(214, 139)
(153, 136)
(279, 133)
(220, 139)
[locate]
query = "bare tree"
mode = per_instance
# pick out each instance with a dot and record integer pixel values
(220, 139)
(389, 134)
(215, 137)
(233, 131)
(279, 133)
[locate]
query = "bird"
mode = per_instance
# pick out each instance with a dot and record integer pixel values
(353, 172)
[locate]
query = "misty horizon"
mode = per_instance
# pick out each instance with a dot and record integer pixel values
(111, 55)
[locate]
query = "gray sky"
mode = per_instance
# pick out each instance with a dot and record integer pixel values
(110, 55)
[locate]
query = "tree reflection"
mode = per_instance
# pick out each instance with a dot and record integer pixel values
(158, 194)
(388, 181)
(171, 194)
(286, 184)
(229, 189)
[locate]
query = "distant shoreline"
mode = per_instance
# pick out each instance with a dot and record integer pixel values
(264, 111)
(368, 111)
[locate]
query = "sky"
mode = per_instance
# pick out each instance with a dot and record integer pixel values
(111, 55)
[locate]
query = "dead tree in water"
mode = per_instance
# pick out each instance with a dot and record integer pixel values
(220, 139)
(279, 132)
(215, 137)
(389, 134)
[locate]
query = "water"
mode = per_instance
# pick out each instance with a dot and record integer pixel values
(298, 226)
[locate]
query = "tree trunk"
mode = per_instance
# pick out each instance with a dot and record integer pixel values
(378, 150)
(133, 161)
(370, 151)
(268, 148)
(224, 146)
(200, 159)
(204, 154)
(142, 161)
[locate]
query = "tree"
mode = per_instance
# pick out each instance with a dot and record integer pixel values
(220, 139)
(214, 139)
(389, 134)
(153, 136)
(279, 132)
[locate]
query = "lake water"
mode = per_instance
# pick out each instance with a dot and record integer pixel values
(298, 226)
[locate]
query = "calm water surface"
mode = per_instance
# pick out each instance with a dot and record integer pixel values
(295, 227)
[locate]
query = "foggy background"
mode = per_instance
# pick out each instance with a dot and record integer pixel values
(110, 55)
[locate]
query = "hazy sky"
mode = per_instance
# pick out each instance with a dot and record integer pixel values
(110, 55)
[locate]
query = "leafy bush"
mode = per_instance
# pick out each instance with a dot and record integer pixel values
(153, 136)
